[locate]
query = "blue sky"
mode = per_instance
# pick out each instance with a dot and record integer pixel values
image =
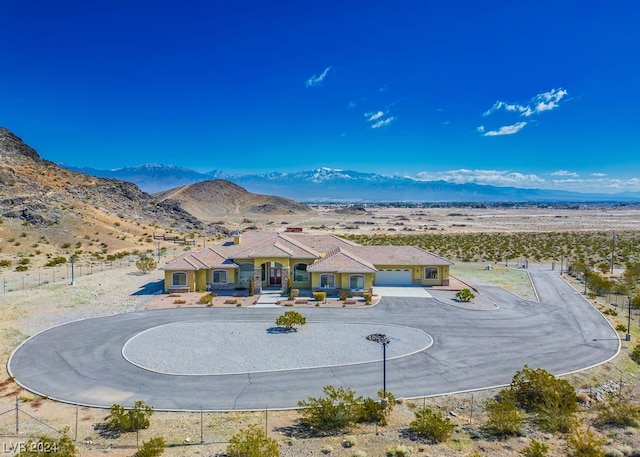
(530, 94)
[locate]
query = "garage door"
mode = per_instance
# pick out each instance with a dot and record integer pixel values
(393, 278)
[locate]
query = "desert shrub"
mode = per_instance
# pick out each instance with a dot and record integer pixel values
(431, 425)
(206, 299)
(349, 441)
(343, 294)
(43, 445)
(151, 448)
(121, 420)
(610, 312)
(328, 449)
(398, 450)
(252, 442)
(465, 295)
(293, 294)
(359, 453)
(21, 268)
(503, 416)
(179, 301)
(146, 264)
(319, 296)
(56, 261)
(376, 411)
(290, 320)
(618, 411)
(621, 328)
(231, 301)
(553, 400)
(367, 297)
(535, 449)
(334, 412)
(5, 263)
(635, 354)
(585, 443)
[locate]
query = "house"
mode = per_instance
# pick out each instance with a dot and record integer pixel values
(302, 261)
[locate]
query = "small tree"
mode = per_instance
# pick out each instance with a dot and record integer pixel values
(146, 264)
(334, 412)
(431, 425)
(252, 442)
(290, 319)
(152, 448)
(503, 416)
(465, 295)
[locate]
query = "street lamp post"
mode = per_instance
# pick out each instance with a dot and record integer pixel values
(384, 341)
(73, 278)
(628, 335)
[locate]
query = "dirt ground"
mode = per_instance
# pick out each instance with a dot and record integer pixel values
(26, 312)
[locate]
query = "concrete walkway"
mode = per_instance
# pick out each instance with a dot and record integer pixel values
(269, 299)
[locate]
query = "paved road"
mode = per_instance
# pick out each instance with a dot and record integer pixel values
(81, 362)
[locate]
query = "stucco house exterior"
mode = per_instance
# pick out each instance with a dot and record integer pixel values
(275, 260)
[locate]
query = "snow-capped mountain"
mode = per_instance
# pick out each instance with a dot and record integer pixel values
(330, 184)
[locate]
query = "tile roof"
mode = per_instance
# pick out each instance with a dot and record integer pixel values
(399, 255)
(341, 261)
(208, 258)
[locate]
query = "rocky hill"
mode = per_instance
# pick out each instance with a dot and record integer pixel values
(215, 198)
(45, 207)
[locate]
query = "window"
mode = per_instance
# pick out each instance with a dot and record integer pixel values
(328, 281)
(300, 273)
(219, 276)
(356, 282)
(179, 279)
(245, 273)
(431, 273)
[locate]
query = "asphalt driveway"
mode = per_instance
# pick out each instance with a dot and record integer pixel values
(82, 363)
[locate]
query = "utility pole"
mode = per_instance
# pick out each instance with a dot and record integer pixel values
(614, 238)
(628, 335)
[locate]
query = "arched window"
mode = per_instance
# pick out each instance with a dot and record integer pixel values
(300, 273)
(179, 278)
(328, 281)
(219, 276)
(356, 282)
(430, 273)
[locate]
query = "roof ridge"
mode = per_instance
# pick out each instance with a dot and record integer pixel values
(299, 244)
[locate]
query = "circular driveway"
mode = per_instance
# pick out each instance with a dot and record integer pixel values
(82, 362)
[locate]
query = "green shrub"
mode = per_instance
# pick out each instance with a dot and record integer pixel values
(206, 299)
(584, 443)
(5, 263)
(367, 297)
(398, 450)
(343, 295)
(334, 412)
(431, 425)
(62, 446)
(290, 320)
(635, 354)
(294, 294)
(553, 400)
(121, 420)
(503, 416)
(151, 448)
(320, 296)
(618, 411)
(465, 295)
(535, 449)
(349, 441)
(146, 264)
(621, 328)
(252, 442)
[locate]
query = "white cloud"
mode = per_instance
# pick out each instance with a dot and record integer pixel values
(317, 80)
(383, 122)
(480, 129)
(487, 177)
(545, 101)
(566, 173)
(506, 130)
(374, 116)
(565, 180)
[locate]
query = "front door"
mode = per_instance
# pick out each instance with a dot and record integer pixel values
(275, 276)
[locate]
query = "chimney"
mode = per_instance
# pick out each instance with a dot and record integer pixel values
(237, 237)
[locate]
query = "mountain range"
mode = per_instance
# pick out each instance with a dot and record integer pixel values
(328, 184)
